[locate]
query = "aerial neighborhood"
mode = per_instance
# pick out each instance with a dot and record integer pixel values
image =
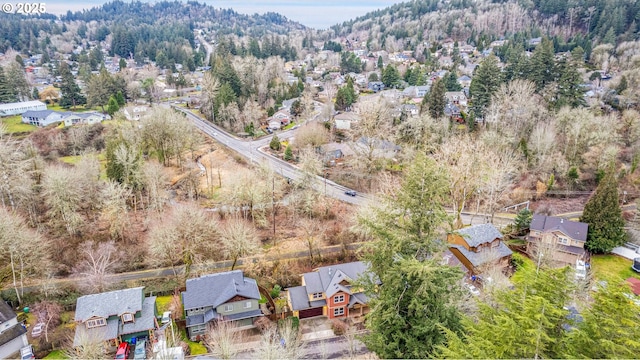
(434, 179)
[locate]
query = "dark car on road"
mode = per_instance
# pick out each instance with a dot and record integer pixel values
(350, 192)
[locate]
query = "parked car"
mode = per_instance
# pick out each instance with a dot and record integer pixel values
(350, 192)
(166, 317)
(37, 330)
(26, 353)
(123, 351)
(472, 289)
(140, 353)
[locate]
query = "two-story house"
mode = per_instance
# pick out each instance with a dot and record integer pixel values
(115, 316)
(478, 247)
(226, 296)
(41, 117)
(328, 291)
(13, 336)
(135, 112)
(560, 239)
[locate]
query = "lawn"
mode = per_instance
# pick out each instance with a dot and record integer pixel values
(163, 302)
(56, 354)
(14, 124)
(612, 267)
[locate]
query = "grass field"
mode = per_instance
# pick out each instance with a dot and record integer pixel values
(56, 354)
(74, 159)
(612, 267)
(14, 125)
(162, 302)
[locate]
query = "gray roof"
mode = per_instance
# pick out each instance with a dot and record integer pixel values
(574, 229)
(6, 312)
(571, 249)
(216, 289)
(12, 333)
(109, 303)
(484, 257)
(243, 315)
(479, 234)
(312, 282)
(299, 298)
(102, 333)
(41, 114)
(195, 320)
(331, 276)
(11, 106)
(147, 319)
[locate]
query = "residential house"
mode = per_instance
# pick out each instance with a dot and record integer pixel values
(456, 98)
(410, 109)
(344, 120)
(21, 107)
(115, 316)
(560, 239)
(464, 81)
(375, 86)
(135, 112)
(42, 117)
(88, 118)
(416, 91)
(282, 116)
(226, 296)
(328, 291)
(13, 335)
(335, 152)
(274, 124)
(453, 112)
(478, 247)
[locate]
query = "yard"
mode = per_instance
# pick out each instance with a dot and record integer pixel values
(612, 267)
(14, 125)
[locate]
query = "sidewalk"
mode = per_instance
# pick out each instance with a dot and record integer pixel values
(625, 252)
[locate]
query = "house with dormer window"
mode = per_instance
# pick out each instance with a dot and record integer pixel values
(478, 247)
(115, 316)
(226, 296)
(329, 291)
(562, 240)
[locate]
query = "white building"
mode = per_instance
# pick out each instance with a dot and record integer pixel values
(134, 112)
(21, 107)
(13, 336)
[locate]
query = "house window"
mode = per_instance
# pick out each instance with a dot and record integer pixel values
(317, 296)
(563, 241)
(338, 299)
(127, 317)
(247, 305)
(96, 323)
(338, 311)
(228, 307)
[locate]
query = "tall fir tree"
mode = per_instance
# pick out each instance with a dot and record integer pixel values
(542, 66)
(486, 81)
(71, 95)
(451, 82)
(604, 216)
(6, 92)
(569, 92)
(436, 99)
(390, 76)
(415, 302)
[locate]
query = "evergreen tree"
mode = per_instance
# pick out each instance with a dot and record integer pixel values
(542, 69)
(390, 76)
(35, 95)
(122, 63)
(609, 329)
(451, 82)
(604, 216)
(380, 64)
(486, 81)
(6, 91)
(288, 153)
(275, 143)
(120, 98)
(622, 86)
(569, 92)
(112, 106)
(415, 301)
(436, 99)
(70, 91)
(522, 220)
(526, 322)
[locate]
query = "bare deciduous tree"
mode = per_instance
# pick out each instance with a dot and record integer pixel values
(96, 263)
(114, 208)
(48, 312)
(223, 340)
(239, 239)
(87, 344)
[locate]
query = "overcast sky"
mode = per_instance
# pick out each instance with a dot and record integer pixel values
(319, 14)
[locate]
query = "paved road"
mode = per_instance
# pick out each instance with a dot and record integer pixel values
(207, 46)
(250, 150)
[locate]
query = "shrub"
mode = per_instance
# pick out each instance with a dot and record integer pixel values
(339, 327)
(275, 292)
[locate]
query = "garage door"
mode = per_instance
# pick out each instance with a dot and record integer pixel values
(310, 313)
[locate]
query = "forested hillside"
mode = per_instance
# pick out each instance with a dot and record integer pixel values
(408, 24)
